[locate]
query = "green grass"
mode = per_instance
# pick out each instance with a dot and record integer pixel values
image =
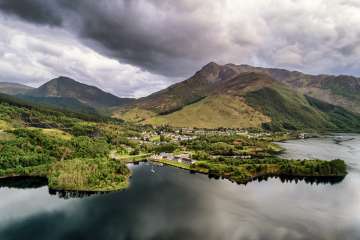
(134, 114)
(213, 112)
(4, 125)
(88, 175)
(55, 133)
(5, 136)
(156, 138)
(126, 158)
(173, 163)
(34, 171)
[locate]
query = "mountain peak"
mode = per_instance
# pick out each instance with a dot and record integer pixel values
(62, 79)
(211, 65)
(65, 87)
(210, 72)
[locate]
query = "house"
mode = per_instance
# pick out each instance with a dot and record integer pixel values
(184, 138)
(301, 136)
(184, 158)
(188, 161)
(167, 156)
(181, 158)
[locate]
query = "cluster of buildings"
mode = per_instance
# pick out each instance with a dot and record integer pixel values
(222, 132)
(187, 134)
(180, 158)
(150, 136)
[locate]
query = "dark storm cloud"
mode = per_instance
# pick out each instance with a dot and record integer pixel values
(37, 11)
(160, 36)
(173, 39)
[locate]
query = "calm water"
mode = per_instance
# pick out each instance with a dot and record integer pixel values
(173, 204)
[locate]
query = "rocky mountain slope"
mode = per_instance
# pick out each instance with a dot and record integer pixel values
(240, 96)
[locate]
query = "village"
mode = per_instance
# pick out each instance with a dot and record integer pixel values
(171, 146)
(184, 158)
(166, 134)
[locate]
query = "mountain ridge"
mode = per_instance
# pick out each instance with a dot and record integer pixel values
(234, 86)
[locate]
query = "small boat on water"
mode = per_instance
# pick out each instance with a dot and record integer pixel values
(152, 169)
(340, 139)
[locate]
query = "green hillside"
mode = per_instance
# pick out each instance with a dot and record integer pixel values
(62, 103)
(292, 111)
(338, 116)
(70, 149)
(219, 96)
(339, 90)
(213, 112)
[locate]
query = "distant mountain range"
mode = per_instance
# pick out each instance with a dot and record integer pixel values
(241, 96)
(66, 93)
(13, 88)
(230, 96)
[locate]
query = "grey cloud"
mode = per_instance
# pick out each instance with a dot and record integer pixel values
(160, 36)
(175, 38)
(32, 55)
(37, 11)
(151, 34)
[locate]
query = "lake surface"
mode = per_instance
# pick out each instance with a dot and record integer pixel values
(174, 204)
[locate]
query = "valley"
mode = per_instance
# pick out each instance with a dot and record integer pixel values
(173, 120)
(88, 153)
(223, 122)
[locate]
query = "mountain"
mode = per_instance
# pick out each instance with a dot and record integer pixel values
(235, 97)
(17, 106)
(65, 87)
(61, 103)
(13, 88)
(339, 90)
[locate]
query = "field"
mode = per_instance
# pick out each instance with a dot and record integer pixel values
(212, 112)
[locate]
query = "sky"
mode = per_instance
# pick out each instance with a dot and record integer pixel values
(132, 48)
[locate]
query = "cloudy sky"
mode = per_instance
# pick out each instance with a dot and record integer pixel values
(135, 47)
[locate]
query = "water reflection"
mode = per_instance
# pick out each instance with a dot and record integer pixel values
(308, 180)
(23, 182)
(289, 179)
(173, 204)
(73, 194)
(37, 182)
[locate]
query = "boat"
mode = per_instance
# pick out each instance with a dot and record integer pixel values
(340, 139)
